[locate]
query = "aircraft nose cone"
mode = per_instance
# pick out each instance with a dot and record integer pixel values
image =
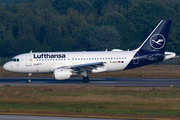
(6, 67)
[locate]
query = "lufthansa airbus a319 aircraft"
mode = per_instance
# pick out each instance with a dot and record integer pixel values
(68, 64)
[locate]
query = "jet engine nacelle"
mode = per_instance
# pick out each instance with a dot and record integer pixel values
(62, 74)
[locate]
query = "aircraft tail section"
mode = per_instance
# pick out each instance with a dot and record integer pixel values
(156, 41)
(153, 48)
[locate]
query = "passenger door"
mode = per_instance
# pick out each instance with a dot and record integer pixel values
(29, 60)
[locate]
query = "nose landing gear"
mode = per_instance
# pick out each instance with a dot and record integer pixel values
(29, 78)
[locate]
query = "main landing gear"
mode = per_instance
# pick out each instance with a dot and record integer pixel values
(29, 78)
(86, 79)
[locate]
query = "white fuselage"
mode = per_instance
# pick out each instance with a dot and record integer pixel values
(46, 62)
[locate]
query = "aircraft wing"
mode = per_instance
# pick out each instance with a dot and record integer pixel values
(88, 66)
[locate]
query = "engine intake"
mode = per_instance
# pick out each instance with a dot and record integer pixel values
(62, 74)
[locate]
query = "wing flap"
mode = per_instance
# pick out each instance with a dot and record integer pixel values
(88, 65)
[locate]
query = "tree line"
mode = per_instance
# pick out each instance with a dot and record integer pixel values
(84, 25)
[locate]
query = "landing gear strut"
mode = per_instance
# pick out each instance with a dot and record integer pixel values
(29, 78)
(86, 79)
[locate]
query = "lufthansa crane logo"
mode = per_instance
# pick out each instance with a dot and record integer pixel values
(157, 41)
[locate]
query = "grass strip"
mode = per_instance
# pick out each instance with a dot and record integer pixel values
(83, 109)
(74, 100)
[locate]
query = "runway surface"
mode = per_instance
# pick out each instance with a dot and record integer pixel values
(21, 117)
(126, 82)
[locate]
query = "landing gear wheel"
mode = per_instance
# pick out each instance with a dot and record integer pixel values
(29, 81)
(86, 79)
(29, 76)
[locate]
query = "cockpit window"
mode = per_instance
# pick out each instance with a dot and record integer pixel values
(15, 59)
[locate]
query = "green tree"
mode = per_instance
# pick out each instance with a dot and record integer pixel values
(145, 16)
(9, 44)
(103, 38)
(66, 25)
